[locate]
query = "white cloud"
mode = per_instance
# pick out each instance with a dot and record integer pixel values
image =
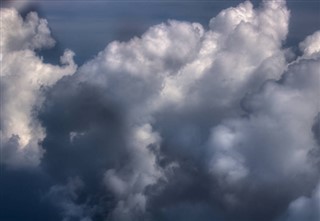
(23, 74)
(311, 45)
(18, 34)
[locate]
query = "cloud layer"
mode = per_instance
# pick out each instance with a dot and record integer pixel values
(180, 123)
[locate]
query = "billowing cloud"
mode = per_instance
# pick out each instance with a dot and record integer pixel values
(180, 123)
(23, 74)
(178, 81)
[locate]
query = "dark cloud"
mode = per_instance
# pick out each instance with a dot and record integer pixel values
(85, 137)
(84, 129)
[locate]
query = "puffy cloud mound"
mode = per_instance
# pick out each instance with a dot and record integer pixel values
(305, 208)
(182, 123)
(23, 74)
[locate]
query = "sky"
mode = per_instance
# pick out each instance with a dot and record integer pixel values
(160, 110)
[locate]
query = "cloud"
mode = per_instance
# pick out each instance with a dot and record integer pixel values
(311, 45)
(64, 197)
(181, 123)
(23, 74)
(271, 146)
(305, 208)
(166, 85)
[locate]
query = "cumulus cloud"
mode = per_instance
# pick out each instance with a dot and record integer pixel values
(23, 74)
(181, 80)
(180, 123)
(222, 103)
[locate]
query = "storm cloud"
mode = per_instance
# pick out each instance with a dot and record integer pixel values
(182, 123)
